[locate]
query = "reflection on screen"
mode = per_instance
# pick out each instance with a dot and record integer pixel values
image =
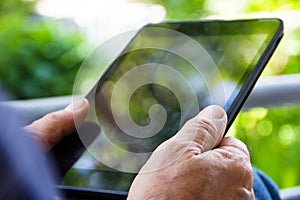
(160, 81)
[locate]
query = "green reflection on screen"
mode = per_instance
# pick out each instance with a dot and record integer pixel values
(233, 54)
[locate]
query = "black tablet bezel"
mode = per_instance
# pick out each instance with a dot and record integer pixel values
(251, 76)
(239, 100)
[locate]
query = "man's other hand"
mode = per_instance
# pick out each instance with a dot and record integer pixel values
(54, 126)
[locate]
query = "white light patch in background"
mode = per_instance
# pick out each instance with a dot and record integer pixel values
(157, 13)
(226, 7)
(103, 19)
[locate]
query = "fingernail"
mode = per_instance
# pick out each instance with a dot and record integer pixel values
(213, 112)
(75, 105)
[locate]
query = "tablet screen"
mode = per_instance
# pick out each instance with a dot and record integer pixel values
(165, 76)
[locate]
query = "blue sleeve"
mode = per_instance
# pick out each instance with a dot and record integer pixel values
(264, 188)
(23, 171)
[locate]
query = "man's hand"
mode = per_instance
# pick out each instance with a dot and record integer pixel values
(50, 129)
(197, 163)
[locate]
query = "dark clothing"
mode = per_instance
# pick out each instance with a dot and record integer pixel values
(24, 175)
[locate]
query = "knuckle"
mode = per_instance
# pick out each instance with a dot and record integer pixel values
(242, 171)
(225, 154)
(242, 165)
(53, 117)
(237, 146)
(56, 123)
(248, 174)
(206, 125)
(206, 132)
(242, 148)
(245, 174)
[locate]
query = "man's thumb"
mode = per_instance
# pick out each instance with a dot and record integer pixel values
(206, 129)
(54, 126)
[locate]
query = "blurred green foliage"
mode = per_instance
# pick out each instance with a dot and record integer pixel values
(271, 5)
(8, 7)
(39, 56)
(273, 138)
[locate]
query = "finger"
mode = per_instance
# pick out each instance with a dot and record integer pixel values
(232, 150)
(206, 129)
(50, 129)
(234, 145)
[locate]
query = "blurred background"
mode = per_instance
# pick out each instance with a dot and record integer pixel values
(44, 42)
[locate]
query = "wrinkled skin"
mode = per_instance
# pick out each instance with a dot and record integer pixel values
(197, 163)
(53, 127)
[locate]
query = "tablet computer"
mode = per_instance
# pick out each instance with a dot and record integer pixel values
(166, 74)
